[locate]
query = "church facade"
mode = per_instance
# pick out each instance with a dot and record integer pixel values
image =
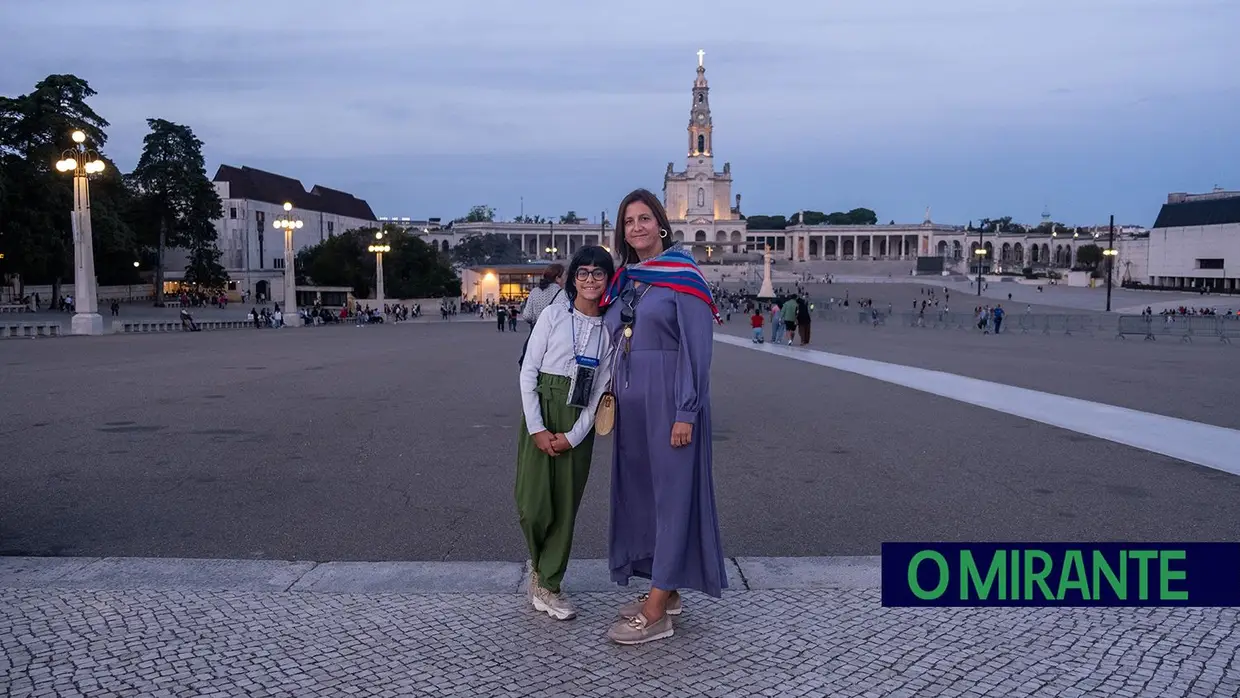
(698, 199)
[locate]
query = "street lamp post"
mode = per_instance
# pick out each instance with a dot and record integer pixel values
(1110, 253)
(83, 162)
(378, 249)
(552, 251)
(288, 223)
(981, 254)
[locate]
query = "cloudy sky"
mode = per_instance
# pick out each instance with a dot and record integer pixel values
(976, 108)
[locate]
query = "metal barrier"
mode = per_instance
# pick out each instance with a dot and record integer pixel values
(1185, 327)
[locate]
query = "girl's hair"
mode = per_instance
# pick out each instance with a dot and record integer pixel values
(627, 254)
(550, 275)
(589, 256)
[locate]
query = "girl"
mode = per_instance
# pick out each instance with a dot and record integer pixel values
(562, 380)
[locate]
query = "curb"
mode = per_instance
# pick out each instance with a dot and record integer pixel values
(412, 577)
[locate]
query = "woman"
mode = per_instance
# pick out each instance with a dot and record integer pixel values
(560, 392)
(660, 315)
(550, 289)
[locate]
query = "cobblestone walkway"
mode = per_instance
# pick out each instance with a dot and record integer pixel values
(59, 642)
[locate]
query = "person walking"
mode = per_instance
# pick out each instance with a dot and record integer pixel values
(788, 313)
(560, 391)
(664, 526)
(803, 319)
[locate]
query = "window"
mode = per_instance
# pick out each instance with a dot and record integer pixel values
(1210, 264)
(701, 98)
(331, 227)
(701, 143)
(701, 197)
(277, 262)
(232, 212)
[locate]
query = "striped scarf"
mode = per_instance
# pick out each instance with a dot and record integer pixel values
(674, 268)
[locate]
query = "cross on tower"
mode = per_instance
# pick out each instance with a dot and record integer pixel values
(701, 55)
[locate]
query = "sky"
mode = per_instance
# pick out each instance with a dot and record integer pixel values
(974, 108)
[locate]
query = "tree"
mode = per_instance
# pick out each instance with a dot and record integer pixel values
(416, 269)
(530, 219)
(571, 217)
(766, 223)
(487, 249)
(204, 268)
(478, 214)
(36, 231)
(178, 205)
(1089, 256)
(413, 269)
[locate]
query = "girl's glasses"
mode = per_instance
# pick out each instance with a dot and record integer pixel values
(596, 274)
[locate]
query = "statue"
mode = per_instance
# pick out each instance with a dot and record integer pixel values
(766, 291)
(669, 168)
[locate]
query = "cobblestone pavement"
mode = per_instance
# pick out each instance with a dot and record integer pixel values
(59, 642)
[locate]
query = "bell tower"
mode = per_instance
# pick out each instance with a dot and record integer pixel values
(699, 114)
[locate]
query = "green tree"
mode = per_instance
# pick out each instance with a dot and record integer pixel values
(204, 266)
(1089, 256)
(862, 216)
(487, 249)
(177, 204)
(478, 214)
(766, 223)
(413, 268)
(571, 217)
(36, 200)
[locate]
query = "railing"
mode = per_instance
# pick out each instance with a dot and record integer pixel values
(30, 329)
(1185, 327)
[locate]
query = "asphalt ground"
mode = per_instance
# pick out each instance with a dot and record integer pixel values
(1195, 381)
(397, 443)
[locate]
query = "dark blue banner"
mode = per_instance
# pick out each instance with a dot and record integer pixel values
(1061, 574)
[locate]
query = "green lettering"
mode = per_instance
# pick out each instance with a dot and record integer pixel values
(1143, 573)
(1038, 577)
(970, 576)
(1166, 575)
(1074, 566)
(944, 575)
(1015, 588)
(1102, 568)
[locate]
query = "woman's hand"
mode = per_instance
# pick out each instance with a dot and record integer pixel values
(682, 434)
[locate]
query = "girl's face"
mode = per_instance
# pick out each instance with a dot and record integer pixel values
(591, 281)
(641, 230)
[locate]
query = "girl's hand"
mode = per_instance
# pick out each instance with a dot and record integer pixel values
(682, 434)
(560, 443)
(543, 441)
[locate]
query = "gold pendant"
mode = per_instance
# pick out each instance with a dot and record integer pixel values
(628, 332)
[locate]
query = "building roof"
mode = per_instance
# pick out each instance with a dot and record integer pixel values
(259, 185)
(1198, 212)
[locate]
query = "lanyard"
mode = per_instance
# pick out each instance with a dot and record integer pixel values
(584, 360)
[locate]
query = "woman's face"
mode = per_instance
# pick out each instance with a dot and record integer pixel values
(591, 281)
(641, 230)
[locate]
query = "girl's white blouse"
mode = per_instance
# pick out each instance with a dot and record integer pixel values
(551, 351)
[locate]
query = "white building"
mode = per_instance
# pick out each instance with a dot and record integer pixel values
(1195, 242)
(252, 249)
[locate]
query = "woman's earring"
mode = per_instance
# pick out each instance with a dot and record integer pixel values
(662, 232)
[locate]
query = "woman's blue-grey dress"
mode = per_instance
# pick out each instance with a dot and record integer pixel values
(663, 521)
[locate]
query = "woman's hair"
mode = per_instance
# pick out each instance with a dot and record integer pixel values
(626, 253)
(589, 256)
(550, 275)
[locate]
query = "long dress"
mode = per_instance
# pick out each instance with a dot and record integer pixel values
(664, 526)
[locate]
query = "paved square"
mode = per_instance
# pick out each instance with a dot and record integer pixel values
(396, 443)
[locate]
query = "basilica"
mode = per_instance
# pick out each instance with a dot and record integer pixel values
(706, 216)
